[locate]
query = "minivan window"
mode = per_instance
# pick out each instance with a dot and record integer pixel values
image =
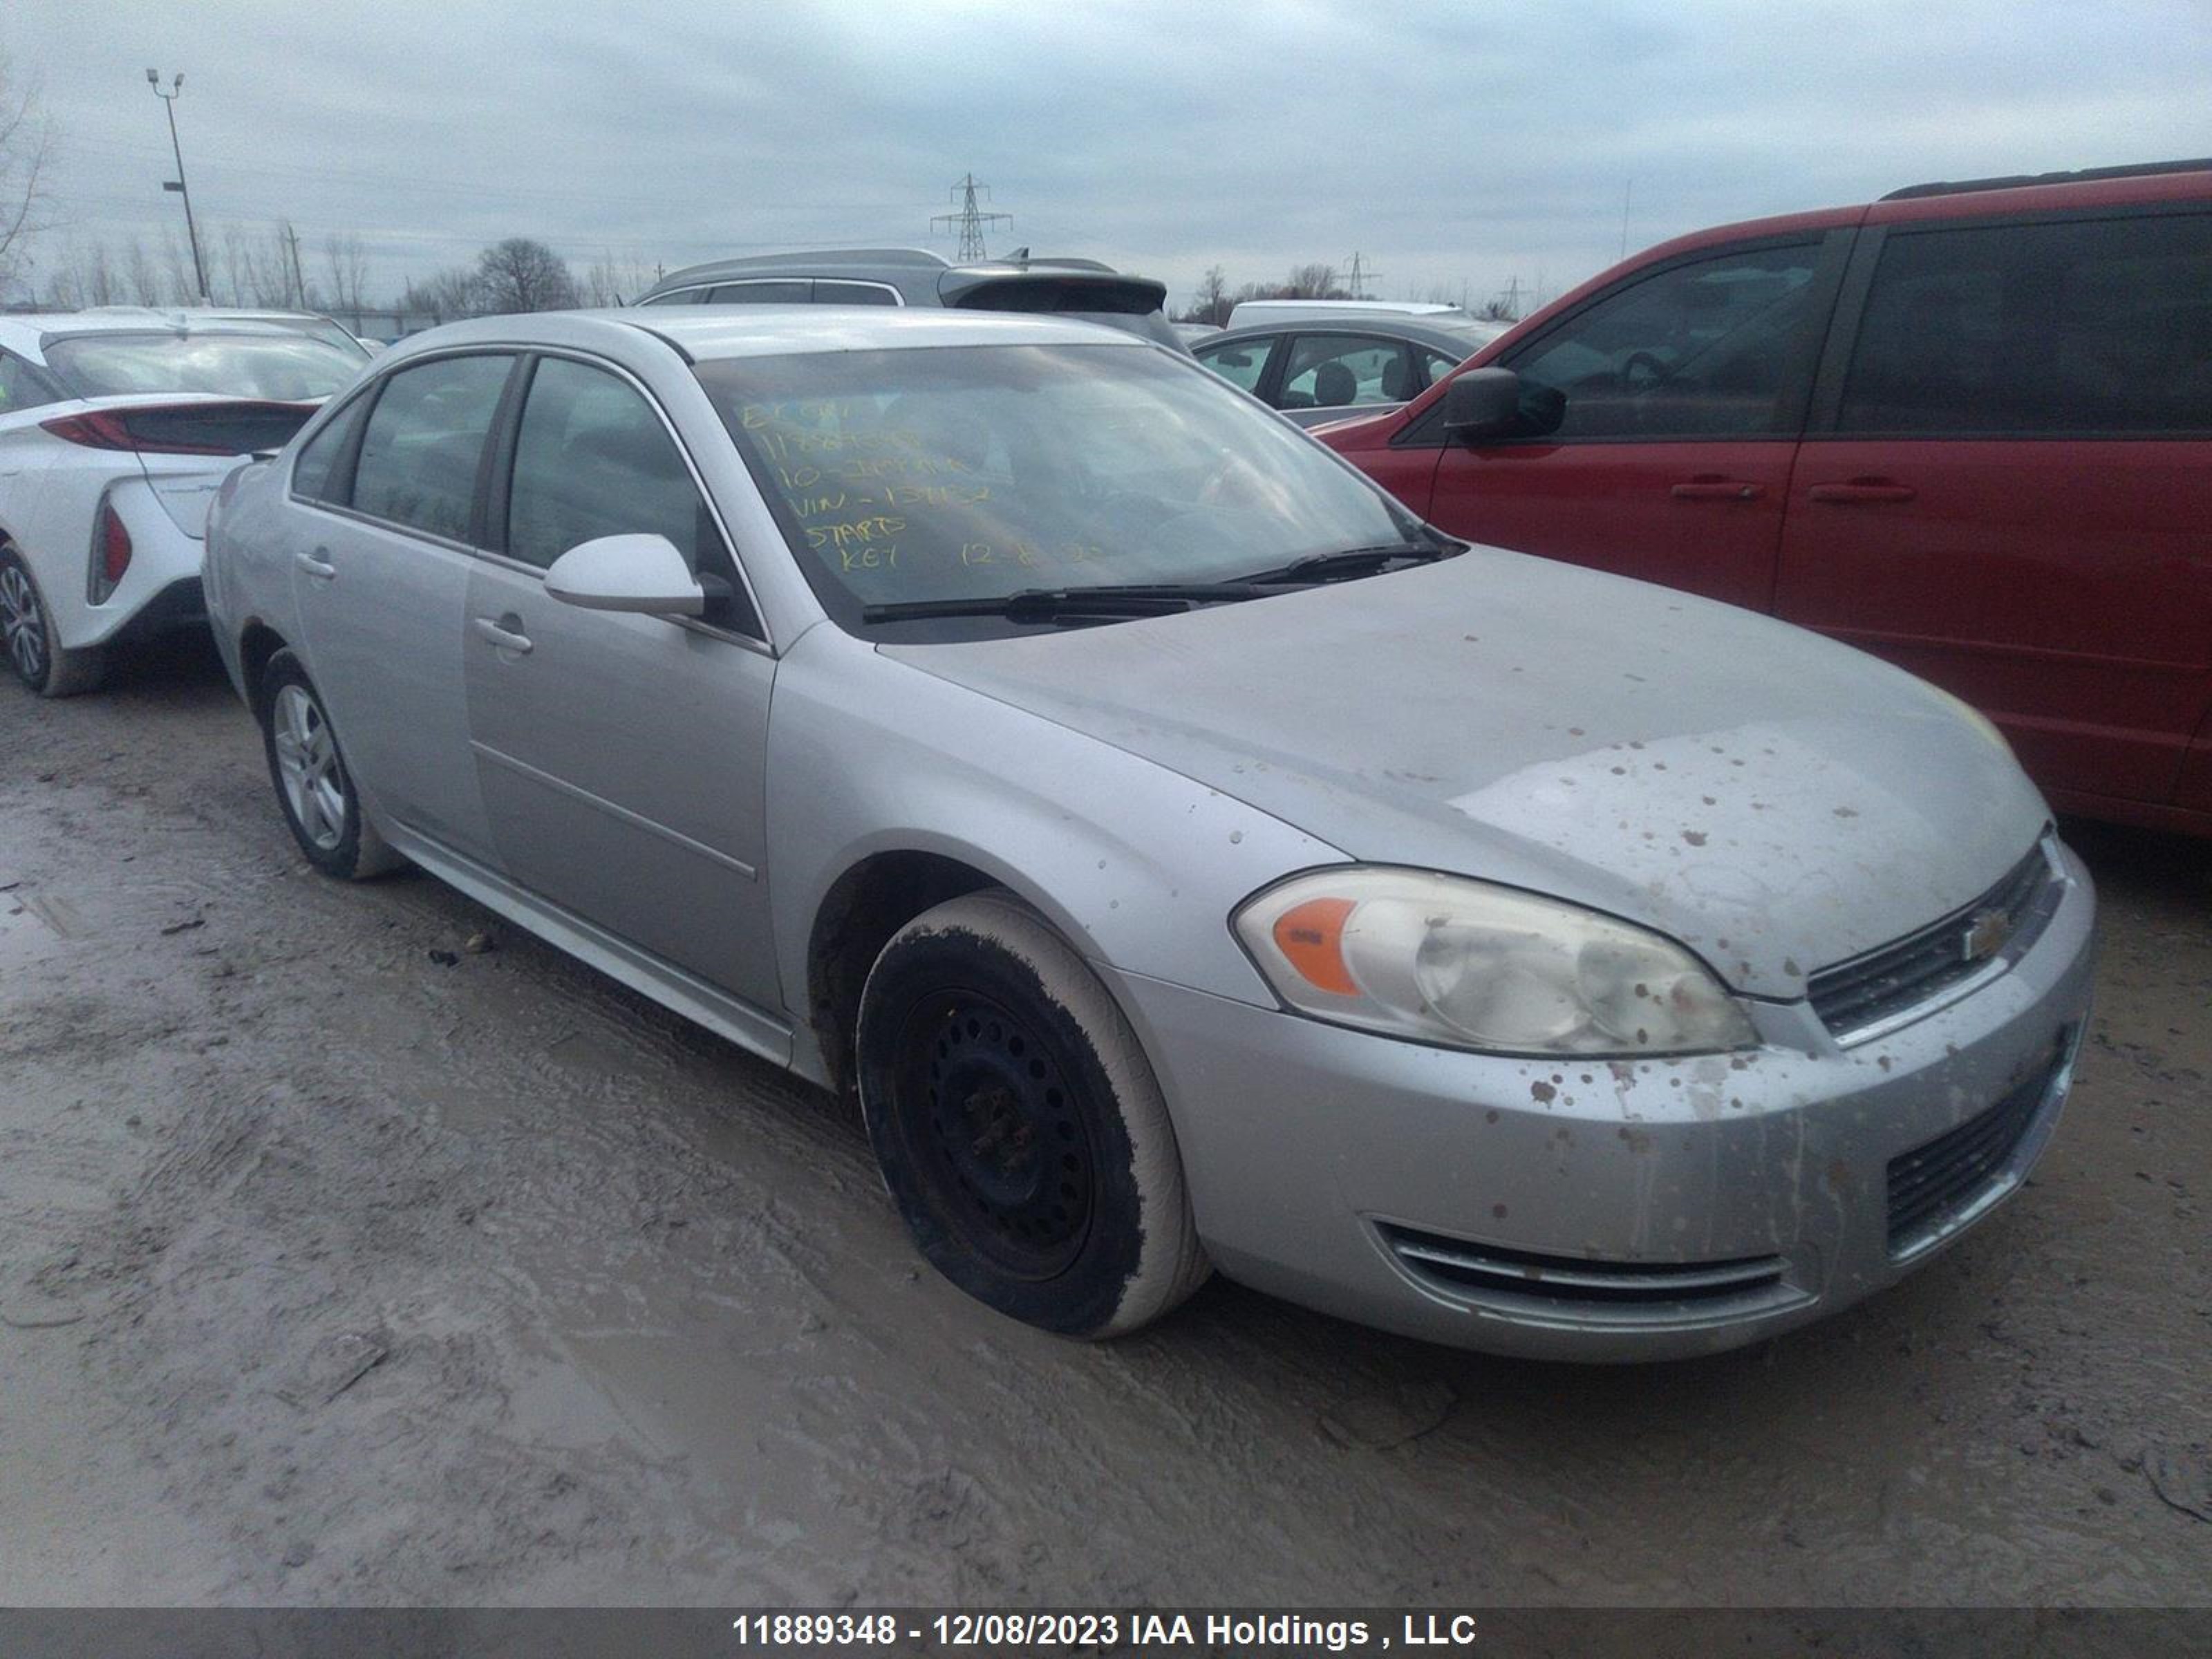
(424, 438)
(593, 459)
(757, 293)
(2081, 326)
(827, 292)
(1699, 350)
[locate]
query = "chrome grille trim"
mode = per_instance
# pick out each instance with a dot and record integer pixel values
(1873, 995)
(1588, 1288)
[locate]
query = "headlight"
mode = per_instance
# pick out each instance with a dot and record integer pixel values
(1443, 959)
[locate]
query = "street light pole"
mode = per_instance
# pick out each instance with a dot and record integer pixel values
(191, 229)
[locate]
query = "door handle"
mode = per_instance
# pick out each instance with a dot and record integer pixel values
(317, 563)
(1714, 489)
(1859, 490)
(505, 638)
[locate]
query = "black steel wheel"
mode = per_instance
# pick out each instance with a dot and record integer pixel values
(1018, 1126)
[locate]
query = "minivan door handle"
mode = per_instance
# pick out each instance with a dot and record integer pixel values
(317, 564)
(503, 634)
(1711, 487)
(1860, 490)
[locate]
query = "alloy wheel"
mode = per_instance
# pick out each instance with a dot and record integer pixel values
(307, 761)
(23, 624)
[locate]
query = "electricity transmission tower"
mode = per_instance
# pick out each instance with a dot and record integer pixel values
(971, 222)
(1360, 276)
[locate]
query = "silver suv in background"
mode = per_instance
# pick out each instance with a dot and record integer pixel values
(1082, 288)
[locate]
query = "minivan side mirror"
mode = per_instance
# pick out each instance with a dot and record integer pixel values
(642, 574)
(1495, 403)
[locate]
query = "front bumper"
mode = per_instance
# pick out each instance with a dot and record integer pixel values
(1611, 1210)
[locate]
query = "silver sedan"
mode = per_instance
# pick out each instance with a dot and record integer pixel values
(1189, 859)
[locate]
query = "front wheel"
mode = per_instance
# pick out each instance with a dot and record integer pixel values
(321, 804)
(1018, 1125)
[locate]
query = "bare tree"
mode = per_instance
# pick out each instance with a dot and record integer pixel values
(85, 276)
(455, 292)
(142, 279)
(1213, 304)
(347, 262)
(1315, 282)
(520, 274)
(26, 141)
(611, 280)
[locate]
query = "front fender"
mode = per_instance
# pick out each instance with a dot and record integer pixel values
(1139, 867)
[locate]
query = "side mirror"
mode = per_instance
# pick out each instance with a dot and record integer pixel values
(627, 573)
(1483, 403)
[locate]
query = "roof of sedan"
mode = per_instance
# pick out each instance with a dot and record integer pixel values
(717, 331)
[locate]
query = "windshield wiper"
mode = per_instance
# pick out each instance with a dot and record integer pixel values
(1356, 562)
(1072, 604)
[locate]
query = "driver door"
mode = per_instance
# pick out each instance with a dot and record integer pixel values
(1686, 388)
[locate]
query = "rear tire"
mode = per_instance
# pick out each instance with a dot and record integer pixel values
(314, 790)
(35, 650)
(1018, 1125)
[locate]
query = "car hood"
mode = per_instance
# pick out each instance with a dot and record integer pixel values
(1777, 802)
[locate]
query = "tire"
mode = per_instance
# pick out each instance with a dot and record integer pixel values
(33, 649)
(1018, 1125)
(314, 790)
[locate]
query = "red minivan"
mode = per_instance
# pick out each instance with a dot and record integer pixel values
(1968, 427)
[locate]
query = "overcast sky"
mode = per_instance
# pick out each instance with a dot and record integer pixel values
(1447, 144)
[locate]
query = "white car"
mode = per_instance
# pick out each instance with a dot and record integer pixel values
(115, 432)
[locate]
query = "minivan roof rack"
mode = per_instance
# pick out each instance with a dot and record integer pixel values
(2021, 181)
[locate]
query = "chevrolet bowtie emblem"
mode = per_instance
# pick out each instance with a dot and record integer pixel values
(1986, 934)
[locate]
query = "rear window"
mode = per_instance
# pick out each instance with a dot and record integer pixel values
(288, 367)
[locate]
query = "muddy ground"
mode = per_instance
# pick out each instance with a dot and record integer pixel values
(339, 1263)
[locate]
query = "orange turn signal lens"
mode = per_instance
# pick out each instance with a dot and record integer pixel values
(1310, 936)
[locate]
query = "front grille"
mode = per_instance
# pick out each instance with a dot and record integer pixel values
(1932, 1184)
(1459, 1266)
(1854, 997)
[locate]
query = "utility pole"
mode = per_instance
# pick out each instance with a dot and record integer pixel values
(1627, 189)
(1512, 297)
(177, 184)
(971, 223)
(299, 281)
(1360, 276)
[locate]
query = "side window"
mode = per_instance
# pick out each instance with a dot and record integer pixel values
(1327, 371)
(314, 475)
(2101, 326)
(762, 294)
(1240, 362)
(591, 458)
(1698, 350)
(22, 387)
(853, 293)
(424, 438)
(1433, 365)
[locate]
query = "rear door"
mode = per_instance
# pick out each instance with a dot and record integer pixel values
(622, 758)
(1685, 386)
(381, 577)
(2006, 486)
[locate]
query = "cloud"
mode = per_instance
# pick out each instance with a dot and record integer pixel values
(1450, 144)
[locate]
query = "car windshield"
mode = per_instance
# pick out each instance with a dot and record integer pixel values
(972, 473)
(286, 366)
